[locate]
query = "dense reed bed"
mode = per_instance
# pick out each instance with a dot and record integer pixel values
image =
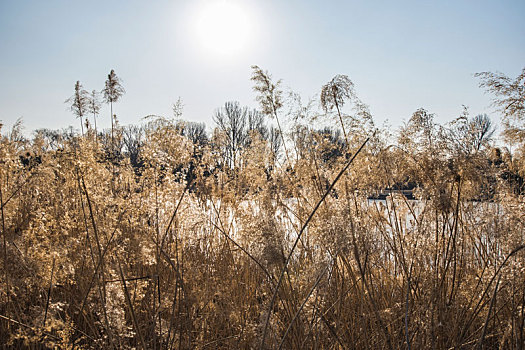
(161, 236)
(180, 251)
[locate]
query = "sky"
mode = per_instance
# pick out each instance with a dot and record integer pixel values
(401, 55)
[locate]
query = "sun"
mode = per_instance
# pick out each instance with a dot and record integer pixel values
(223, 28)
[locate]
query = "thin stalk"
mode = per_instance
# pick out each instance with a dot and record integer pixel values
(4, 234)
(91, 283)
(330, 328)
(130, 306)
(480, 304)
(82, 124)
(173, 217)
(282, 135)
(303, 304)
(480, 343)
(95, 121)
(8, 319)
(49, 292)
(407, 334)
(111, 112)
(157, 263)
(271, 278)
(341, 120)
(101, 260)
(272, 302)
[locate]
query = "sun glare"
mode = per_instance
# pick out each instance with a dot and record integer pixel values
(223, 28)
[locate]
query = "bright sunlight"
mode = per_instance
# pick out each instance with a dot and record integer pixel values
(223, 28)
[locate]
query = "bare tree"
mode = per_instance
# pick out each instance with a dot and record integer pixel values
(133, 140)
(482, 130)
(112, 91)
(231, 121)
(465, 136)
(196, 132)
(79, 103)
(275, 140)
(256, 123)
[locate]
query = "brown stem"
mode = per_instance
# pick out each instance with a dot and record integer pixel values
(270, 308)
(49, 292)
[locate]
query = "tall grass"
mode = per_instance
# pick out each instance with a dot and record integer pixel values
(98, 255)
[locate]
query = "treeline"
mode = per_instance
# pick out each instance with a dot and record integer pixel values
(461, 148)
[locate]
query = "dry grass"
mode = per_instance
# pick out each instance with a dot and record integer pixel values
(96, 255)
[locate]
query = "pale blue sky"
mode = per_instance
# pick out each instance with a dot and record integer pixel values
(401, 55)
